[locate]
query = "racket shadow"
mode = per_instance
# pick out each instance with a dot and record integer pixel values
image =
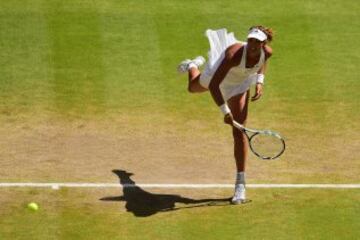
(144, 204)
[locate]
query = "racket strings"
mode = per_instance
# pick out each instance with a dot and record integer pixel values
(267, 145)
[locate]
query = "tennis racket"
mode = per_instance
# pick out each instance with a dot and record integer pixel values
(265, 144)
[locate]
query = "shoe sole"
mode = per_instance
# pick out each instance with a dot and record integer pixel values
(242, 201)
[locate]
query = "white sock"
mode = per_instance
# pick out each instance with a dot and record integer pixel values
(240, 178)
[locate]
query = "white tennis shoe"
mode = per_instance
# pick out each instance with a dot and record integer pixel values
(199, 61)
(184, 66)
(239, 195)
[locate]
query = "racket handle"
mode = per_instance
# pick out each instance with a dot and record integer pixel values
(238, 125)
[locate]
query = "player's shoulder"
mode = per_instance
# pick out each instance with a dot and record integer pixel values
(234, 52)
(234, 49)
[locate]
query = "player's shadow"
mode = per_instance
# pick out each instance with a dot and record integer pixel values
(143, 204)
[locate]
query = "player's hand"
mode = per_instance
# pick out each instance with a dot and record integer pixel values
(258, 92)
(228, 119)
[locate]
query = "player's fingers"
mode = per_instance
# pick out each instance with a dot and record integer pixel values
(256, 96)
(228, 119)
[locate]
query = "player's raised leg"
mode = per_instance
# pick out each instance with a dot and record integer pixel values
(192, 67)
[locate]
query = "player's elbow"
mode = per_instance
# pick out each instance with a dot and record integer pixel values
(268, 51)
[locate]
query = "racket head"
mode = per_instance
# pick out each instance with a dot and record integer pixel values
(267, 145)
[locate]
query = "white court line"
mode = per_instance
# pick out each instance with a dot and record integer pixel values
(118, 185)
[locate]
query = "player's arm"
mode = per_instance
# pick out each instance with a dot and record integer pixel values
(261, 75)
(219, 76)
(217, 79)
(268, 54)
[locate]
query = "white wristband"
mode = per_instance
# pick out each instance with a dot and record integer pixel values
(225, 109)
(260, 78)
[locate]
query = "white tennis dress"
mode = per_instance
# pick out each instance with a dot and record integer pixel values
(239, 78)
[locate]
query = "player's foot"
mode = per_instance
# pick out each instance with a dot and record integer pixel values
(185, 65)
(239, 195)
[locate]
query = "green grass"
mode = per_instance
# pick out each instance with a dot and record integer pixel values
(67, 65)
(72, 57)
(74, 60)
(273, 214)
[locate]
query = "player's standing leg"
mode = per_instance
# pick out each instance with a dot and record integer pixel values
(239, 109)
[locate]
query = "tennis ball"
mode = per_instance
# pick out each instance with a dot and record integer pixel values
(33, 206)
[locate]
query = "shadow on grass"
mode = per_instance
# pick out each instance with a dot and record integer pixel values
(143, 204)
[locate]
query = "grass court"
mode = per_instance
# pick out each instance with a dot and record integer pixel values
(88, 87)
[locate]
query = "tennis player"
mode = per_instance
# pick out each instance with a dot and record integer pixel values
(233, 66)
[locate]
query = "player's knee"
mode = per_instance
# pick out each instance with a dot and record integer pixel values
(237, 133)
(191, 89)
(241, 119)
(239, 136)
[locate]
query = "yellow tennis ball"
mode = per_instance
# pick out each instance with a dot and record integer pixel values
(33, 206)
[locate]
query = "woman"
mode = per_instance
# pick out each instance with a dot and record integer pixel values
(232, 68)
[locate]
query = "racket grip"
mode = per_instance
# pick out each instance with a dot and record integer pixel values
(238, 125)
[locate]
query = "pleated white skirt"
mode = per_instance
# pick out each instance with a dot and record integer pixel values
(219, 41)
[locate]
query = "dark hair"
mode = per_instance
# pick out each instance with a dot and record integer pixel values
(268, 31)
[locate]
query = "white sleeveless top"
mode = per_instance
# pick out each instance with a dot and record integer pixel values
(239, 78)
